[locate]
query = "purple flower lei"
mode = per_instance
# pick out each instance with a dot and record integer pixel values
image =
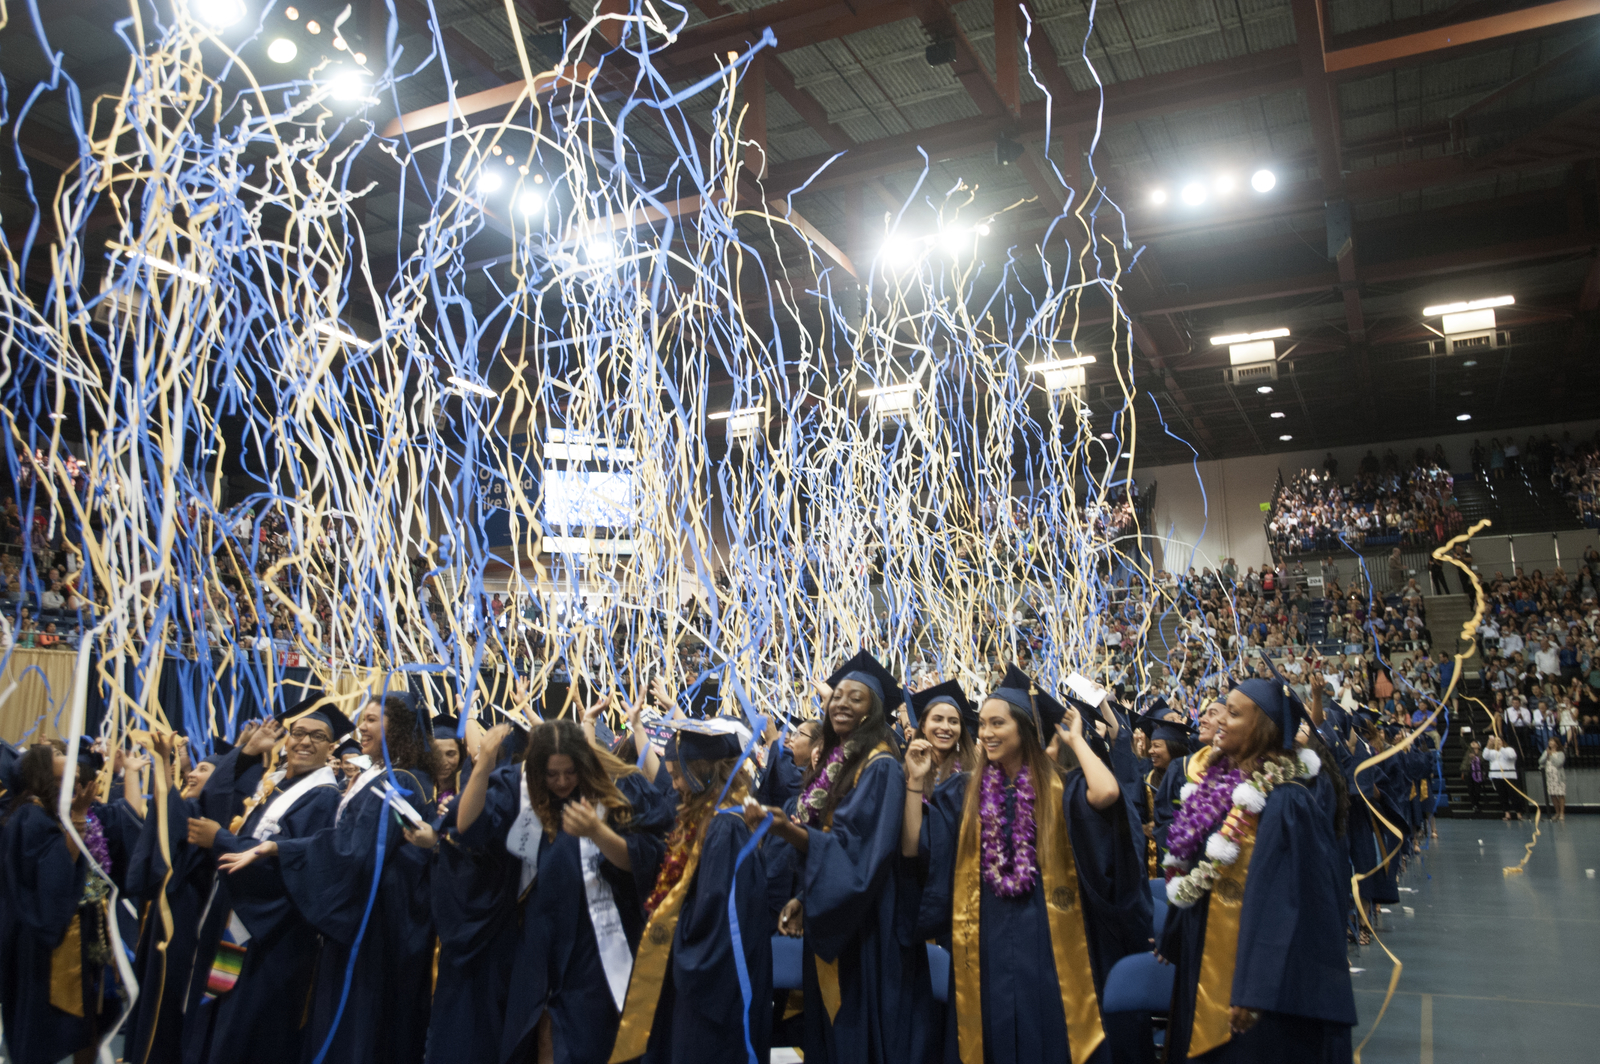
(1202, 811)
(1008, 876)
(816, 792)
(94, 837)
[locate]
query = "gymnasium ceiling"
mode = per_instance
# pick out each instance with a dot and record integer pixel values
(1460, 138)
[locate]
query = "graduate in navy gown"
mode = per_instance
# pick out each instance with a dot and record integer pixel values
(1167, 799)
(250, 991)
(451, 761)
(685, 998)
(865, 974)
(1167, 742)
(1252, 852)
(1030, 873)
(55, 999)
(369, 1004)
(165, 959)
(1374, 848)
(548, 864)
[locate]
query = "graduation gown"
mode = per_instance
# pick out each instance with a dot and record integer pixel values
(262, 1019)
(851, 886)
(51, 995)
(700, 1013)
(1022, 1014)
(372, 1000)
(555, 962)
(1289, 962)
(1369, 841)
(1167, 800)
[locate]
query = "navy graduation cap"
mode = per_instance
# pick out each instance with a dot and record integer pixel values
(1168, 731)
(1019, 691)
(318, 707)
(446, 726)
(868, 671)
(1277, 700)
(348, 747)
(948, 693)
(719, 739)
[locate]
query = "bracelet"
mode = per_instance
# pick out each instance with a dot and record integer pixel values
(913, 790)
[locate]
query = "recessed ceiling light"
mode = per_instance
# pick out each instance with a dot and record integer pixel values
(488, 182)
(1286, 436)
(1279, 413)
(1263, 180)
(1265, 389)
(1158, 196)
(1194, 193)
(1108, 436)
(282, 50)
(1469, 363)
(1463, 417)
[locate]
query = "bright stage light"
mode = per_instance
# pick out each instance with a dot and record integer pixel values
(1279, 413)
(282, 50)
(1108, 435)
(530, 203)
(1286, 437)
(1463, 417)
(1223, 185)
(1194, 194)
(331, 328)
(897, 253)
(489, 181)
(599, 250)
(1263, 180)
(1064, 363)
(1265, 389)
(1158, 196)
(349, 85)
(218, 14)
(472, 386)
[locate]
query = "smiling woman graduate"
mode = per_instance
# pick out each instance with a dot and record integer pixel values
(1256, 928)
(1025, 866)
(865, 983)
(684, 1000)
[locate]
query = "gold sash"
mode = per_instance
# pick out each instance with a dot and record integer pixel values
(1058, 873)
(1213, 1020)
(1195, 765)
(650, 966)
(828, 971)
(66, 971)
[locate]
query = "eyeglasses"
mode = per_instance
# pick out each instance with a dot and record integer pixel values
(317, 736)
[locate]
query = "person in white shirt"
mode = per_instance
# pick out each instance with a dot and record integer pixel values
(1510, 642)
(1548, 659)
(1502, 760)
(1519, 716)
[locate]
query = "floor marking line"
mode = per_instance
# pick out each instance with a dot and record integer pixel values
(1427, 1029)
(1475, 997)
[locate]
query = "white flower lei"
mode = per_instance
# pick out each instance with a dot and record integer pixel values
(1250, 798)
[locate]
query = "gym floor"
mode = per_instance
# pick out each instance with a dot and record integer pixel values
(1497, 967)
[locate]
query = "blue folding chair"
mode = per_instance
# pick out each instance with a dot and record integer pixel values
(939, 971)
(1138, 989)
(786, 974)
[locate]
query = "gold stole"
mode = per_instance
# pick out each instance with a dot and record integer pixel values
(1213, 1024)
(66, 970)
(828, 971)
(650, 965)
(1058, 873)
(1151, 850)
(1195, 765)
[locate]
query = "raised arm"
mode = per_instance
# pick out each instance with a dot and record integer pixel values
(1102, 787)
(470, 805)
(919, 759)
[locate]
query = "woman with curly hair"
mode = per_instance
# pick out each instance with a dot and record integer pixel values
(684, 1001)
(387, 957)
(867, 996)
(1256, 928)
(542, 878)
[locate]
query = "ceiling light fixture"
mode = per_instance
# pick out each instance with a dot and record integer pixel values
(1245, 338)
(1158, 196)
(1108, 435)
(472, 386)
(1063, 363)
(1263, 180)
(331, 328)
(1279, 413)
(1265, 389)
(282, 50)
(162, 265)
(1476, 304)
(1286, 437)
(349, 85)
(218, 14)
(530, 202)
(489, 181)
(1193, 194)
(1463, 417)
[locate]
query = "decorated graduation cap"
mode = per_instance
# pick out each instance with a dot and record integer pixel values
(1019, 691)
(718, 739)
(317, 707)
(1277, 700)
(950, 694)
(869, 672)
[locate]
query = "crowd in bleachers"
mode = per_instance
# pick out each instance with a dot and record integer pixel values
(1540, 644)
(1387, 504)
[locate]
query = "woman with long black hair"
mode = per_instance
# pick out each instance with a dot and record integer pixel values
(369, 1004)
(865, 973)
(1029, 873)
(56, 991)
(545, 873)
(1256, 928)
